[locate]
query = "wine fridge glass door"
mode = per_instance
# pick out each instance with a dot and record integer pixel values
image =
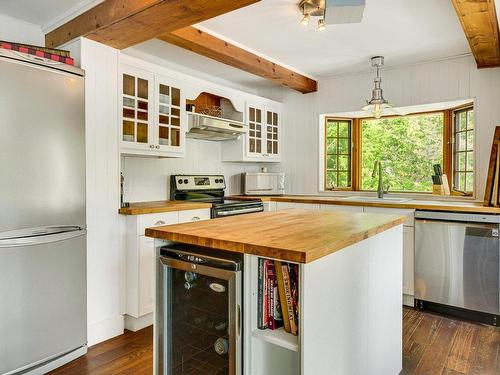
(199, 320)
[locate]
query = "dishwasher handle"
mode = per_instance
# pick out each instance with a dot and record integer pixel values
(457, 217)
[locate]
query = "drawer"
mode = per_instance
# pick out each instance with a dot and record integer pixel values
(156, 220)
(194, 215)
(410, 214)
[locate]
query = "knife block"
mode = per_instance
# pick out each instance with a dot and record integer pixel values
(443, 189)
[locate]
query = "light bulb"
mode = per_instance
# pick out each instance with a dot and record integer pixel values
(377, 112)
(321, 24)
(305, 19)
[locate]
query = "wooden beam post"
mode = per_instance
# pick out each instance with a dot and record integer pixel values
(480, 24)
(123, 23)
(210, 46)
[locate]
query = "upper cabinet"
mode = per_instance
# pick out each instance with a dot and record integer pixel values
(263, 142)
(152, 120)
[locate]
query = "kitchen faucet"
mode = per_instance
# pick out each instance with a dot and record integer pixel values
(380, 188)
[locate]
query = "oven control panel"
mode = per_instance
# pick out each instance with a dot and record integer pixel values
(199, 182)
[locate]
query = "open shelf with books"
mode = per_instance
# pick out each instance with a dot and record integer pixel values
(273, 342)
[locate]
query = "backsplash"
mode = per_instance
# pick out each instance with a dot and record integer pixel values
(148, 179)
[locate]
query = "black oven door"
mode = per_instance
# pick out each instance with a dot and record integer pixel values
(198, 318)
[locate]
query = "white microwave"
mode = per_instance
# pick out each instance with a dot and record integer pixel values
(263, 183)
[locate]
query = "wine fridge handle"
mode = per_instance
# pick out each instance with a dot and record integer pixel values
(238, 320)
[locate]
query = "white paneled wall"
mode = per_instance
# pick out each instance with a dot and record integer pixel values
(424, 83)
(147, 179)
(16, 30)
(104, 242)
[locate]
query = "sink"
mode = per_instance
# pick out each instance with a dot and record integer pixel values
(362, 198)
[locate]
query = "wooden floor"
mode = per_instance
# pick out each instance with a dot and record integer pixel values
(432, 345)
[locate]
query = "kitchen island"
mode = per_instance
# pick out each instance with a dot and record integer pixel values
(350, 287)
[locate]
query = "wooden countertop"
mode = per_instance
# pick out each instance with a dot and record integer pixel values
(292, 235)
(141, 208)
(415, 204)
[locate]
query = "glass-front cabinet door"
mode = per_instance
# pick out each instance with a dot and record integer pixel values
(272, 132)
(264, 132)
(255, 131)
(170, 135)
(136, 106)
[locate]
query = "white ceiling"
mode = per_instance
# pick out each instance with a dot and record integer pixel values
(404, 31)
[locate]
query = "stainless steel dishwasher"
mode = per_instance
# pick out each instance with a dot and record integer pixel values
(198, 324)
(457, 264)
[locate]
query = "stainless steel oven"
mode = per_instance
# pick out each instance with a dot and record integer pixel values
(198, 311)
(457, 264)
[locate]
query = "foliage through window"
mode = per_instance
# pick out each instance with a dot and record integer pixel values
(338, 154)
(407, 146)
(463, 150)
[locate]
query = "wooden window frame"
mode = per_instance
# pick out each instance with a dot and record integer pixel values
(453, 151)
(325, 145)
(356, 148)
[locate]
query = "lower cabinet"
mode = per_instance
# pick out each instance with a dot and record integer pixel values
(305, 206)
(140, 263)
(341, 207)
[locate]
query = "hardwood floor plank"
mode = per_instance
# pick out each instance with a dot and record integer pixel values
(486, 360)
(436, 353)
(463, 348)
(419, 341)
(433, 345)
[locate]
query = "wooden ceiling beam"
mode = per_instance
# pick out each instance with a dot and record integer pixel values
(212, 47)
(480, 24)
(124, 23)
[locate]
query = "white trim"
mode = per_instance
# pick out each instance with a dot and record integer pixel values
(105, 329)
(68, 15)
(135, 324)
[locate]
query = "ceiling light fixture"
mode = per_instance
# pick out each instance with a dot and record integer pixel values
(377, 104)
(315, 8)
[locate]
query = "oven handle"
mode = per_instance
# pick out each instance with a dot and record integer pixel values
(238, 212)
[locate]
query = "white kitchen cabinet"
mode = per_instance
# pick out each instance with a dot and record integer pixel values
(408, 264)
(152, 114)
(140, 270)
(305, 206)
(341, 207)
(194, 215)
(408, 248)
(263, 141)
(269, 206)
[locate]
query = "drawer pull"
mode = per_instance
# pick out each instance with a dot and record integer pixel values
(160, 222)
(195, 218)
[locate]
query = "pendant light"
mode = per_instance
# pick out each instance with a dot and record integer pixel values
(377, 104)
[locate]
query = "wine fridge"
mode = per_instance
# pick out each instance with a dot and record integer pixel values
(198, 324)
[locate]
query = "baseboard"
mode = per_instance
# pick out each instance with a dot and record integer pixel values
(105, 329)
(135, 324)
(408, 300)
(54, 363)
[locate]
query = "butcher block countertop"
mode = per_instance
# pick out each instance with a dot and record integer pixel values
(416, 204)
(141, 208)
(294, 235)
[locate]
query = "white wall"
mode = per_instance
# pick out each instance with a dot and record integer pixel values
(16, 30)
(430, 82)
(147, 179)
(105, 268)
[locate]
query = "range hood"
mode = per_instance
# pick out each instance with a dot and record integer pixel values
(213, 128)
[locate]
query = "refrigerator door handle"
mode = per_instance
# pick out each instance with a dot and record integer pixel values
(40, 235)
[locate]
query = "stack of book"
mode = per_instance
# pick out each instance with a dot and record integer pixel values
(278, 295)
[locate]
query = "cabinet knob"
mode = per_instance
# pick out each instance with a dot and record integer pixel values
(160, 222)
(195, 218)
(151, 146)
(157, 146)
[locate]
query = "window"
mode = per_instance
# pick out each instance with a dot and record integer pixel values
(463, 150)
(338, 154)
(407, 146)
